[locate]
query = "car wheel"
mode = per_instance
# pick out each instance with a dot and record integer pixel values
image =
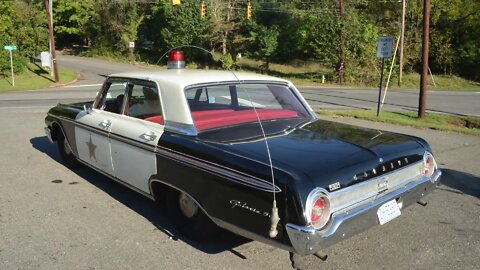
(188, 217)
(66, 152)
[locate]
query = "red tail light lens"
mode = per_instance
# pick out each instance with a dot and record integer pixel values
(430, 165)
(317, 210)
(320, 211)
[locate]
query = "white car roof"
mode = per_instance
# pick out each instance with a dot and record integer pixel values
(172, 83)
(185, 77)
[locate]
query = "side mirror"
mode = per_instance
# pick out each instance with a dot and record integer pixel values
(88, 108)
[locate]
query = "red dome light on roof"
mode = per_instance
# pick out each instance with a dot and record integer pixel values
(176, 60)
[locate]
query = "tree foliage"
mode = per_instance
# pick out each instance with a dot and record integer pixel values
(282, 31)
(22, 24)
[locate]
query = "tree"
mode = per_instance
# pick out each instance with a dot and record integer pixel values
(73, 21)
(183, 24)
(116, 23)
(264, 42)
(24, 25)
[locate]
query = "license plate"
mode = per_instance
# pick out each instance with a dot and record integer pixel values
(388, 211)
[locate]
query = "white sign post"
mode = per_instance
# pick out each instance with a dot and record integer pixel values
(11, 48)
(384, 50)
(46, 59)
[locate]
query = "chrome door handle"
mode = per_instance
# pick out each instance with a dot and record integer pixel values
(105, 123)
(149, 136)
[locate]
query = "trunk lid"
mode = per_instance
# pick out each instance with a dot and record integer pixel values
(325, 152)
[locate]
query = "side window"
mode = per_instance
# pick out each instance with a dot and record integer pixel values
(144, 102)
(113, 98)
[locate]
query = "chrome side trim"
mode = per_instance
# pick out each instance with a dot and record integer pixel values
(114, 136)
(306, 240)
(219, 170)
(118, 180)
(123, 139)
(87, 127)
(214, 168)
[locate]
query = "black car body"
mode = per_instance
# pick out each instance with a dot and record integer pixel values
(223, 146)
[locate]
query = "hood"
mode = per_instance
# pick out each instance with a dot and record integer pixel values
(324, 152)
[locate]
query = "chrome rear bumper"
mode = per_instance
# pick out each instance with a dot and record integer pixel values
(307, 240)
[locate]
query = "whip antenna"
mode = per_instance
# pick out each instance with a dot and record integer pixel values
(274, 217)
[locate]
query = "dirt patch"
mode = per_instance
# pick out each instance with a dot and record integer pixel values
(473, 123)
(468, 123)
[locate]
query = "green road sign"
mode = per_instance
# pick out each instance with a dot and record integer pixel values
(10, 47)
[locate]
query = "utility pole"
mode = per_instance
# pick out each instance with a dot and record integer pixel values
(50, 8)
(52, 42)
(425, 44)
(341, 64)
(402, 41)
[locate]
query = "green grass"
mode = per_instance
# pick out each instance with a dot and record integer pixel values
(34, 77)
(461, 124)
(442, 82)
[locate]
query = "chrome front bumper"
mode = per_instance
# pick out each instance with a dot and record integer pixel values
(307, 240)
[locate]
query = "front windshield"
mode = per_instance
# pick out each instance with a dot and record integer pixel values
(231, 105)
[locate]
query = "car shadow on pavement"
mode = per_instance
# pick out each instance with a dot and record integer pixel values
(464, 183)
(153, 212)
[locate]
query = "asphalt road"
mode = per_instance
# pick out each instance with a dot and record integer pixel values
(52, 217)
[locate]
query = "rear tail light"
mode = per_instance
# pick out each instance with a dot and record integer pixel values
(318, 209)
(429, 165)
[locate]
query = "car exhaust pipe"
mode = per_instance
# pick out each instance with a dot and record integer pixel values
(321, 255)
(422, 202)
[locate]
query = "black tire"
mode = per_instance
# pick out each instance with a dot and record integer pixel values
(194, 225)
(65, 152)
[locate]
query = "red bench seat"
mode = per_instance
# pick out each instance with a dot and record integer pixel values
(220, 118)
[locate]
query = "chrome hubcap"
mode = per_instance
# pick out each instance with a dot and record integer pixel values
(188, 207)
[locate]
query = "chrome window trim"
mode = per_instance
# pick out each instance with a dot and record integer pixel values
(180, 128)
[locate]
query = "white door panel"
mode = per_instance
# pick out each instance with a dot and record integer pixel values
(133, 142)
(93, 145)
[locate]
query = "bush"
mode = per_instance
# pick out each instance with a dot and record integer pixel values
(19, 62)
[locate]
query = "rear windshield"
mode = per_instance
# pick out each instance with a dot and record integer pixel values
(219, 106)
